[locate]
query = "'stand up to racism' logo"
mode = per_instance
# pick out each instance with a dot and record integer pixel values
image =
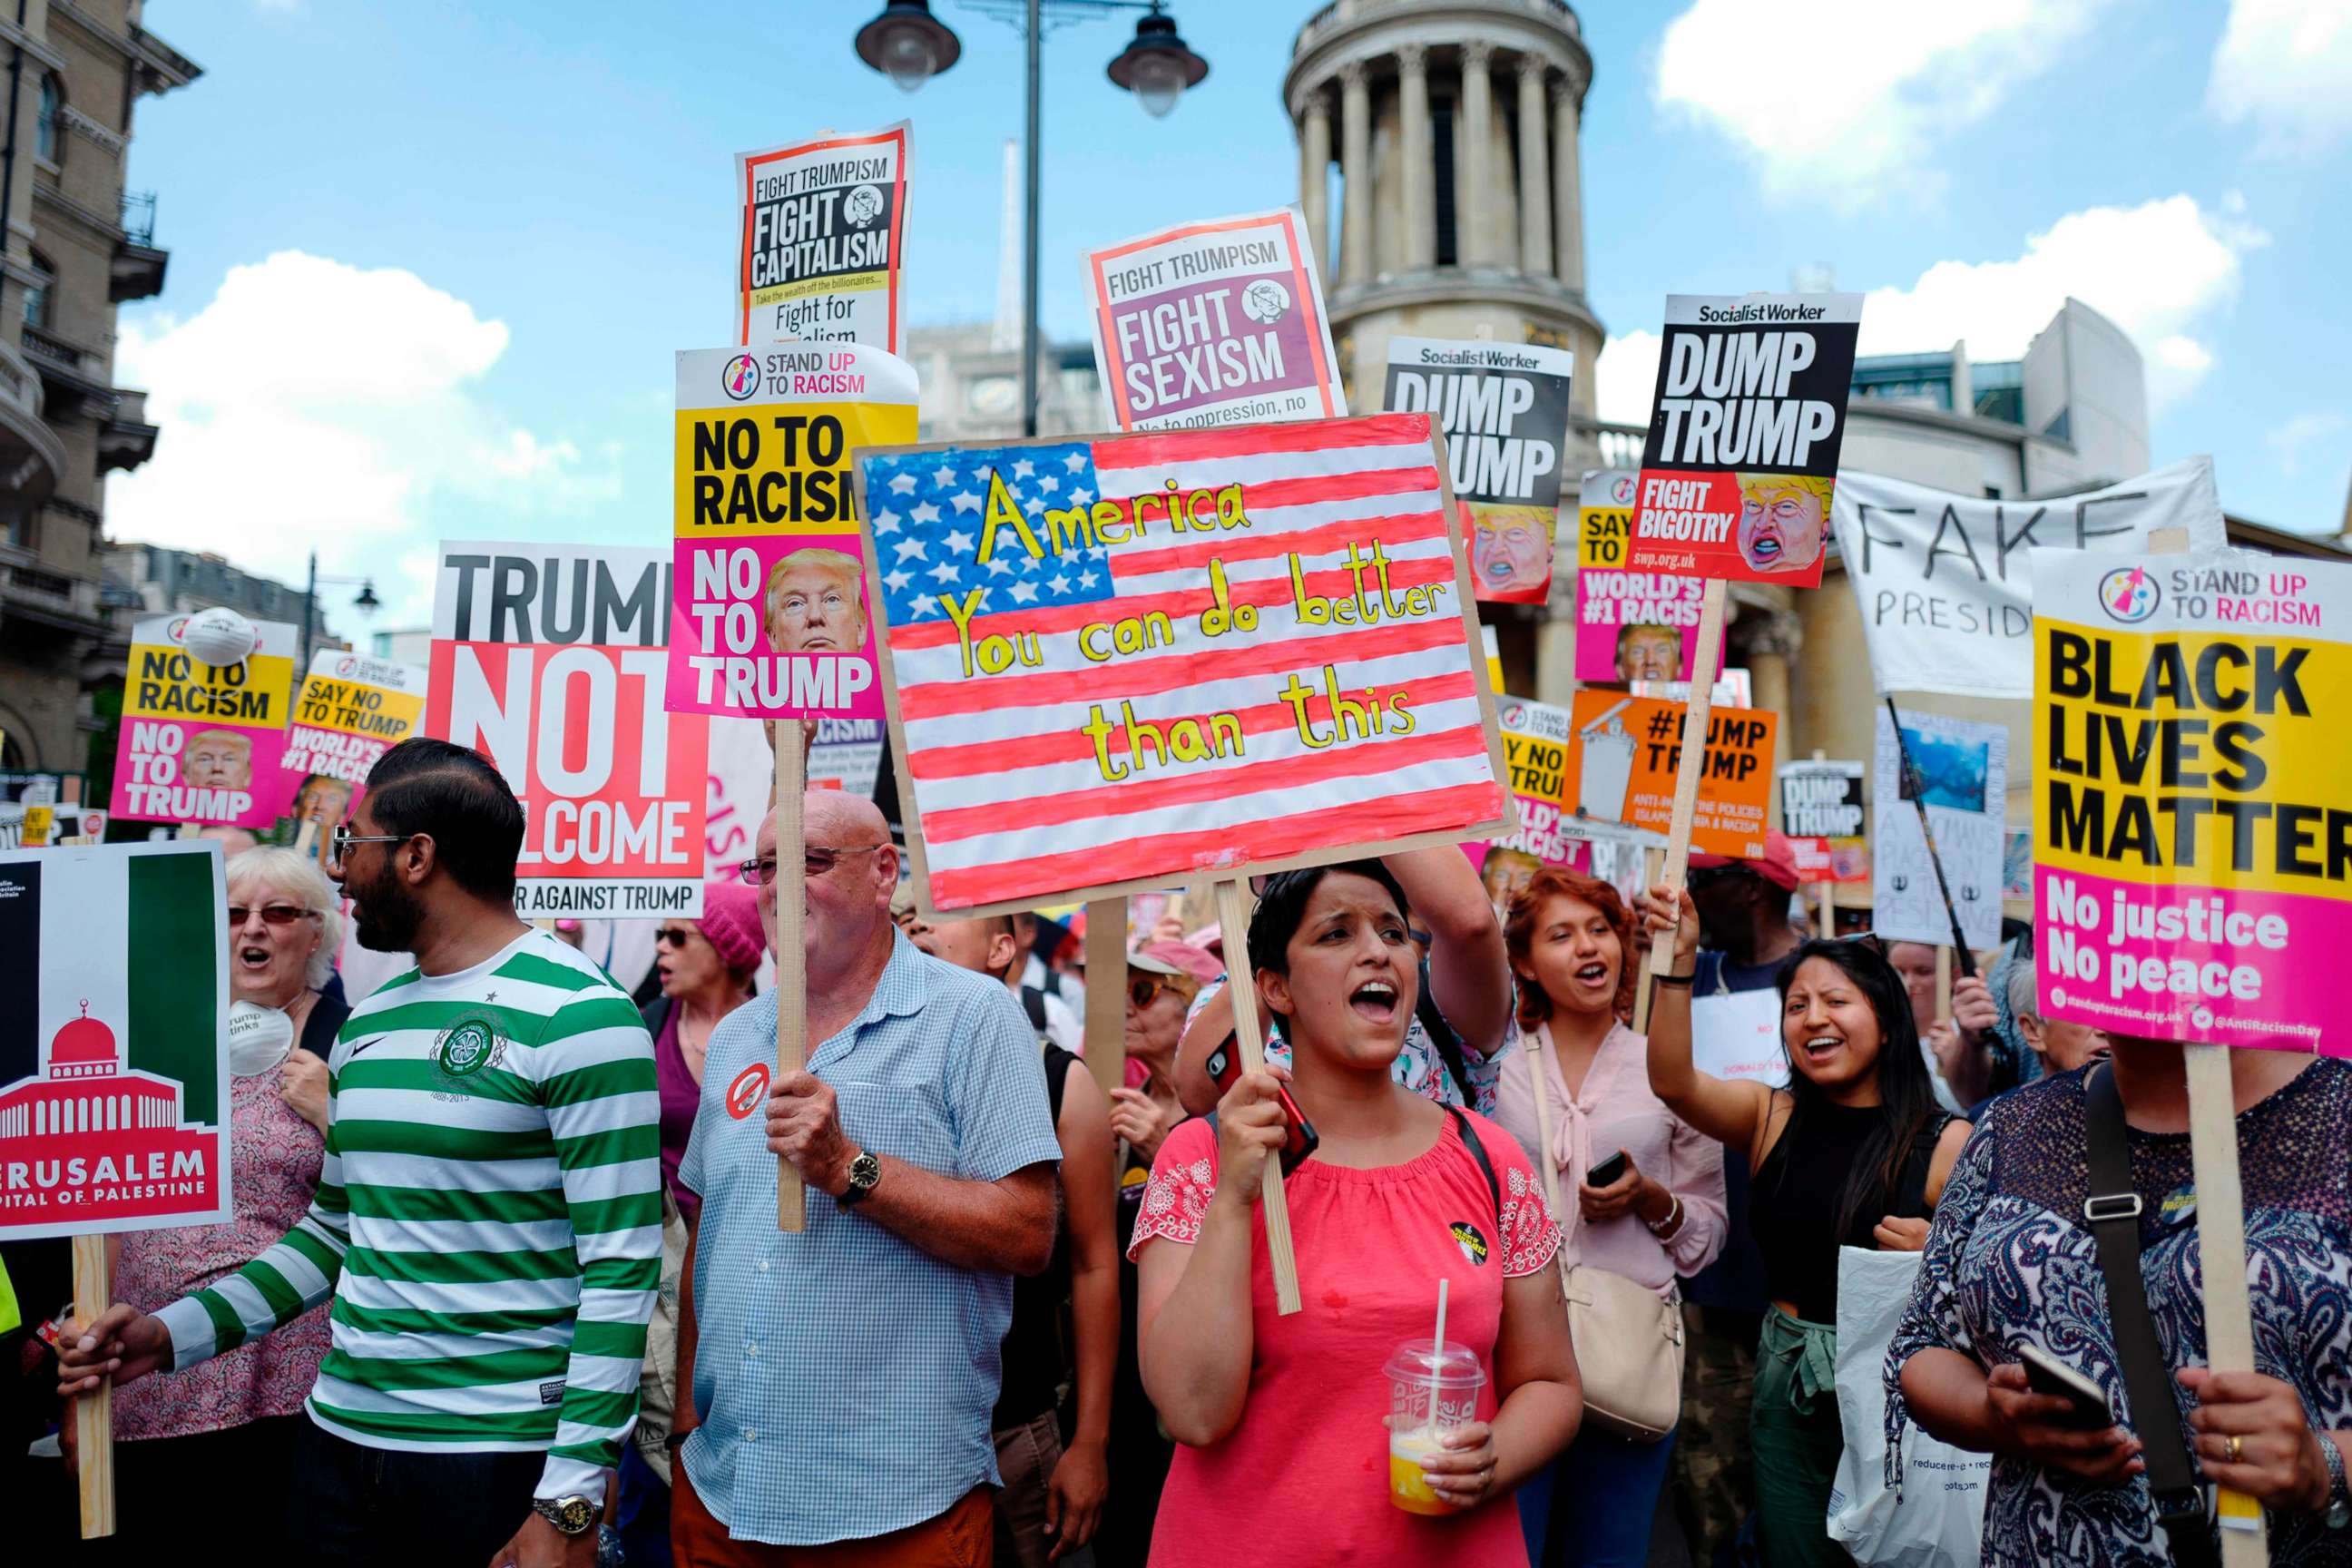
(2129, 595)
(742, 377)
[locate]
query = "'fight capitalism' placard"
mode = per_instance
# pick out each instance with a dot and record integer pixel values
(2193, 853)
(1742, 455)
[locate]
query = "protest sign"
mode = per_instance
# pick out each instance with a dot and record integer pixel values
(548, 658)
(1151, 659)
(1214, 324)
(2017, 863)
(1821, 813)
(33, 789)
(822, 242)
(846, 755)
(351, 710)
(1737, 1035)
(1534, 757)
(769, 620)
(201, 742)
(1945, 583)
(113, 1077)
(1503, 410)
(1629, 625)
(1624, 753)
(2190, 835)
(1965, 769)
(1742, 452)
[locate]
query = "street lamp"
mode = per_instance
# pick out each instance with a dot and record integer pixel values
(365, 602)
(911, 45)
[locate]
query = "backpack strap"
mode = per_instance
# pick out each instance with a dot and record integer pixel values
(2112, 1210)
(1033, 1001)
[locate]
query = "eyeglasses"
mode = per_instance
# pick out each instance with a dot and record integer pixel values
(816, 859)
(1700, 877)
(1143, 989)
(271, 915)
(673, 937)
(339, 845)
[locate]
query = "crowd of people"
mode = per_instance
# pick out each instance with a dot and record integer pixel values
(506, 1282)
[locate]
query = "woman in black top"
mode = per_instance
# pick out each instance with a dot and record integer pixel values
(1853, 1152)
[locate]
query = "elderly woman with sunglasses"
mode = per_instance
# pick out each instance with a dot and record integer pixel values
(704, 966)
(227, 1427)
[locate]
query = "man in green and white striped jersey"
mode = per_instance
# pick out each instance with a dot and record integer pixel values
(488, 1219)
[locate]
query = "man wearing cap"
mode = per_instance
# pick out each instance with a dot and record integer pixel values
(1743, 911)
(842, 1375)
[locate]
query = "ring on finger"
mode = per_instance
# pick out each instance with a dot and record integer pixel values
(2232, 1446)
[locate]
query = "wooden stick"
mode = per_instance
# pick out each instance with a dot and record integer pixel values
(792, 960)
(306, 836)
(2221, 1254)
(1828, 920)
(94, 1413)
(2221, 1231)
(1107, 994)
(1233, 922)
(1653, 866)
(1943, 984)
(191, 829)
(1687, 774)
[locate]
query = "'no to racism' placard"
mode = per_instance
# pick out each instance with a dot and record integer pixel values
(1742, 454)
(2193, 864)
(771, 619)
(201, 743)
(823, 230)
(548, 658)
(1132, 660)
(1503, 410)
(1214, 324)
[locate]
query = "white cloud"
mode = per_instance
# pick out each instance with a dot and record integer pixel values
(2285, 68)
(1626, 379)
(2291, 440)
(1843, 101)
(313, 404)
(2164, 272)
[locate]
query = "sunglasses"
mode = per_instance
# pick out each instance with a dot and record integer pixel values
(815, 861)
(676, 936)
(1143, 989)
(1700, 877)
(271, 915)
(338, 844)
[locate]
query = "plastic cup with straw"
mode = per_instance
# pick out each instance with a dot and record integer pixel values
(1433, 1387)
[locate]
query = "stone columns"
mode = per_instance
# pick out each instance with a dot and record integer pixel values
(1567, 198)
(1315, 178)
(1356, 171)
(1419, 158)
(1535, 172)
(1477, 142)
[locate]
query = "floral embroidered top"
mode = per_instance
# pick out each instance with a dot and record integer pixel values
(2011, 1262)
(275, 1158)
(1310, 1450)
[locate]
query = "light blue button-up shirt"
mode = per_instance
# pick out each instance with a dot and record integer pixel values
(845, 1376)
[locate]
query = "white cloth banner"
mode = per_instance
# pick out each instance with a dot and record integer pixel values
(1945, 582)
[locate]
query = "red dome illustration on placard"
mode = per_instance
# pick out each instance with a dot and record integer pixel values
(85, 1047)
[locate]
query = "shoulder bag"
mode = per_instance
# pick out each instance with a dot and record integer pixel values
(1628, 1338)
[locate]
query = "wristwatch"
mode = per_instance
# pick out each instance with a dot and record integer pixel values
(2339, 1495)
(865, 1171)
(572, 1515)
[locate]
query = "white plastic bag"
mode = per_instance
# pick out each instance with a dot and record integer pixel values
(1939, 1516)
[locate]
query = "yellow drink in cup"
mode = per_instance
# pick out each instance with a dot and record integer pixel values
(1429, 1394)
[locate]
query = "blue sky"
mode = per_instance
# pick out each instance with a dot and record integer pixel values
(429, 261)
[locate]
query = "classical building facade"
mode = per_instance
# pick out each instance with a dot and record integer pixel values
(77, 246)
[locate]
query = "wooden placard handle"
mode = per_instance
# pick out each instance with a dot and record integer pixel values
(306, 835)
(1653, 863)
(1106, 1039)
(1232, 922)
(1686, 774)
(791, 959)
(93, 1288)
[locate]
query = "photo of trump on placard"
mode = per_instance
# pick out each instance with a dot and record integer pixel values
(219, 759)
(814, 605)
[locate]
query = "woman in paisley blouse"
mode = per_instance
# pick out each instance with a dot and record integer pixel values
(2010, 1262)
(186, 1441)
(1292, 1411)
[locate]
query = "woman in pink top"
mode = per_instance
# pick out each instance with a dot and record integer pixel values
(1569, 939)
(1282, 1422)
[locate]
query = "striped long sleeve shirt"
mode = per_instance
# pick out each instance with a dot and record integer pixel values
(487, 1222)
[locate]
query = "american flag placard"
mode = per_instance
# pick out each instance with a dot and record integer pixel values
(1116, 662)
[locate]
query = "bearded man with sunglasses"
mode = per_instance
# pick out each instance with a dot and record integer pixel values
(488, 1219)
(842, 1376)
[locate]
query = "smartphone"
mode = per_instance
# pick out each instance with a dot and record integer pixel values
(2086, 1402)
(1612, 1169)
(1224, 1067)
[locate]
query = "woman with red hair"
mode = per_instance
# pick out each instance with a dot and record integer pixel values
(1570, 940)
